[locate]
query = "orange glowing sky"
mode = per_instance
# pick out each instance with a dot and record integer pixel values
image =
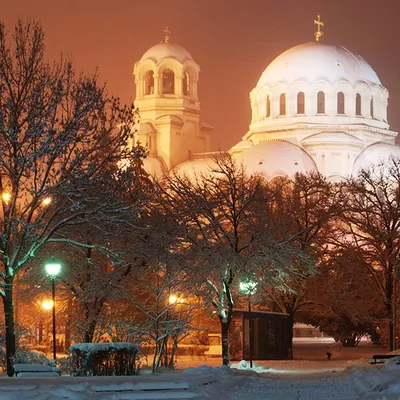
(233, 41)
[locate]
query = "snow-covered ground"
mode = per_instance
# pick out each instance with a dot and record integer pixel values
(306, 379)
(302, 381)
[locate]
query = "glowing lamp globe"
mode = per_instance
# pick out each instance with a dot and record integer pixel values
(53, 268)
(47, 304)
(248, 287)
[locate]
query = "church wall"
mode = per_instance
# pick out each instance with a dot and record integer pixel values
(379, 95)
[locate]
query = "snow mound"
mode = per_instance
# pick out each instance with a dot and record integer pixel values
(245, 366)
(392, 363)
(206, 369)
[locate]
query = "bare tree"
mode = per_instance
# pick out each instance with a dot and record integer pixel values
(342, 307)
(60, 136)
(303, 211)
(372, 224)
(217, 214)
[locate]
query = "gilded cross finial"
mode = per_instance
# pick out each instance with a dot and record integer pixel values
(319, 24)
(167, 33)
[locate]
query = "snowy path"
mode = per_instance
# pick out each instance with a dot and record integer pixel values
(325, 386)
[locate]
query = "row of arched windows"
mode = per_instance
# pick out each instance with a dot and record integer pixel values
(301, 104)
(167, 83)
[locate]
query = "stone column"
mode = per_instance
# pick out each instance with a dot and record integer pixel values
(157, 85)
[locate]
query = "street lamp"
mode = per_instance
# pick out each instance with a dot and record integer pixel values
(249, 287)
(53, 269)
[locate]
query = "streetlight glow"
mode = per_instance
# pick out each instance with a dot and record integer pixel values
(6, 196)
(175, 299)
(53, 268)
(46, 201)
(47, 304)
(248, 287)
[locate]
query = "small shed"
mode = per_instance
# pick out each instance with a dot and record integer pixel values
(271, 339)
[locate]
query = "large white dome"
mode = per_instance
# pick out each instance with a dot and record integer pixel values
(272, 159)
(166, 50)
(312, 62)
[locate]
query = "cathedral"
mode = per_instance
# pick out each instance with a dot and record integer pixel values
(316, 107)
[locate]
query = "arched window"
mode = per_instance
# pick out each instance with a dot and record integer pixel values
(168, 82)
(371, 105)
(358, 104)
(282, 104)
(268, 107)
(340, 103)
(185, 84)
(300, 103)
(321, 103)
(149, 82)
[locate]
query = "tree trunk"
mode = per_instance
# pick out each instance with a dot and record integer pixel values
(225, 340)
(389, 315)
(10, 329)
(89, 331)
(68, 324)
(290, 335)
(171, 363)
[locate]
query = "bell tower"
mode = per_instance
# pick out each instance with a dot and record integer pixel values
(166, 79)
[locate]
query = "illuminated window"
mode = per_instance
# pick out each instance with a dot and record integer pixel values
(282, 104)
(149, 80)
(321, 103)
(358, 104)
(268, 107)
(168, 82)
(340, 103)
(300, 103)
(185, 84)
(371, 105)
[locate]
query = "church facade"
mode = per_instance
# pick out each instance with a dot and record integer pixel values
(316, 107)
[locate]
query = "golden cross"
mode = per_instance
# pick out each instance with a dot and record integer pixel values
(319, 24)
(167, 33)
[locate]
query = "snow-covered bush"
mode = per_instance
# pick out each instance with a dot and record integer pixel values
(96, 359)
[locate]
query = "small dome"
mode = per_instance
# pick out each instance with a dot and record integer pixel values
(195, 169)
(153, 166)
(278, 158)
(167, 50)
(312, 62)
(374, 153)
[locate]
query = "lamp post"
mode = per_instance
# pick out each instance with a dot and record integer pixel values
(53, 269)
(249, 287)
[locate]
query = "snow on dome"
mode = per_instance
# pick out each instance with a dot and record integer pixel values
(312, 62)
(373, 154)
(278, 158)
(166, 50)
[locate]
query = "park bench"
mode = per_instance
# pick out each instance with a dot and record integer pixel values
(36, 370)
(377, 357)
